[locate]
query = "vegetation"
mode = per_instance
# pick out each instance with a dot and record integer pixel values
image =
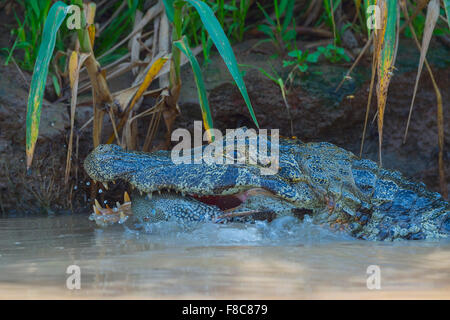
(113, 33)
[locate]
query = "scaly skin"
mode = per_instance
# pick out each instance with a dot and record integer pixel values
(331, 184)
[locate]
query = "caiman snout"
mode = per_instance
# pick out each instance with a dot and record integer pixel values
(102, 165)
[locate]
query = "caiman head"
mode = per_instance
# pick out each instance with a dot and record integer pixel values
(194, 190)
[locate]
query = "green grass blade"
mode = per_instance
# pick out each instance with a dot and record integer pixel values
(266, 15)
(447, 10)
(10, 52)
(54, 20)
(35, 7)
(388, 49)
(222, 44)
(170, 11)
(386, 57)
(264, 72)
(183, 45)
(289, 14)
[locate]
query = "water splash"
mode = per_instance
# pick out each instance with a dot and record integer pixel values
(281, 231)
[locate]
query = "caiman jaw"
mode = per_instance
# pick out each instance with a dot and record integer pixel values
(226, 204)
(219, 188)
(226, 200)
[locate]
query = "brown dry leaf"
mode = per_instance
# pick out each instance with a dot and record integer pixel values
(129, 137)
(153, 126)
(91, 31)
(90, 10)
(74, 72)
(124, 97)
(430, 23)
(151, 74)
(73, 64)
(134, 43)
(164, 44)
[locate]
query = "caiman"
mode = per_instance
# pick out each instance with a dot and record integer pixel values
(333, 186)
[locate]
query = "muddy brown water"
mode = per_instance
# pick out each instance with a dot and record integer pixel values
(281, 260)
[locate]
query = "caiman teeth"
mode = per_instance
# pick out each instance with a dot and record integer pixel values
(149, 196)
(126, 197)
(105, 184)
(97, 205)
(96, 211)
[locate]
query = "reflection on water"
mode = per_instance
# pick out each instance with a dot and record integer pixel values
(281, 260)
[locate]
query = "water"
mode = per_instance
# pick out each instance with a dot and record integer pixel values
(281, 260)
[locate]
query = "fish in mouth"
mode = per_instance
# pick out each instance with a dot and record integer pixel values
(169, 206)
